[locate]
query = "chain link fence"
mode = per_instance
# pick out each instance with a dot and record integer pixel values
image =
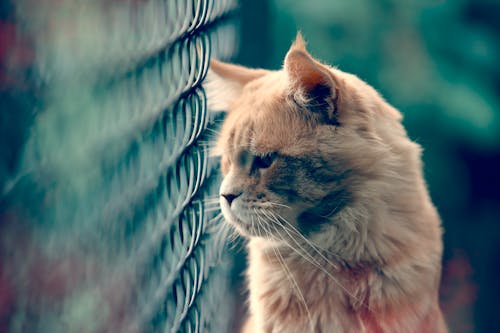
(104, 223)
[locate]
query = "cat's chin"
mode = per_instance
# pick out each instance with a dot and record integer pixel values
(246, 228)
(242, 227)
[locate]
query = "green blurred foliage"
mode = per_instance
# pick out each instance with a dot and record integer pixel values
(421, 55)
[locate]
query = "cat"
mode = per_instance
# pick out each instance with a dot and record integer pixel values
(321, 178)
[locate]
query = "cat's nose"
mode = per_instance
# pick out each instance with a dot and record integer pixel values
(230, 197)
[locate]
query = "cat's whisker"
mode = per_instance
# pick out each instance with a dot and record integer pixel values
(308, 242)
(302, 236)
(291, 228)
(207, 146)
(278, 204)
(216, 227)
(305, 255)
(213, 196)
(204, 143)
(258, 222)
(212, 205)
(211, 201)
(232, 236)
(205, 150)
(288, 273)
(308, 257)
(213, 131)
(212, 209)
(296, 231)
(221, 232)
(228, 234)
(333, 211)
(216, 218)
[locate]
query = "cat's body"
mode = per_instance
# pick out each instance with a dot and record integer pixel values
(322, 179)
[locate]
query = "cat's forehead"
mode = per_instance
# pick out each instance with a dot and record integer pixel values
(265, 90)
(263, 119)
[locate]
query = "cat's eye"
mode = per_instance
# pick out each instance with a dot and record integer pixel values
(264, 161)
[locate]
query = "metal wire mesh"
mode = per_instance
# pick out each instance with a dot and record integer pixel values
(107, 229)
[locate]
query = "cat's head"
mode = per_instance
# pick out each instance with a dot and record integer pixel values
(300, 146)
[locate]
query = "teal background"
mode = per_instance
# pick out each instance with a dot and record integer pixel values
(437, 62)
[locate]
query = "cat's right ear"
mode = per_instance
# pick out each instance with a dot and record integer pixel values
(224, 83)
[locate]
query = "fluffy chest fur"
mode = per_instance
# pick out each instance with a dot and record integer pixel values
(289, 294)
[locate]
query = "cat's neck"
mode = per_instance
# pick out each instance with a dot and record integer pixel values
(399, 296)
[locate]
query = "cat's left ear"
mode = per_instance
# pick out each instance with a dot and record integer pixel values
(311, 85)
(225, 82)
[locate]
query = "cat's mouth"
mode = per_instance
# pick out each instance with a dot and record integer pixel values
(251, 222)
(236, 217)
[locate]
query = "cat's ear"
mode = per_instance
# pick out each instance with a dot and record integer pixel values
(225, 82)
(310, 84)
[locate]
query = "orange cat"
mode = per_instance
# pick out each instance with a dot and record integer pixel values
(322, 179)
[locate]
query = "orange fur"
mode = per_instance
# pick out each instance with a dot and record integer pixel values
(328, 189)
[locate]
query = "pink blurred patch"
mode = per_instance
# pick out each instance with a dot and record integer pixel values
(16, 55)
(458, 293)
(7, 300)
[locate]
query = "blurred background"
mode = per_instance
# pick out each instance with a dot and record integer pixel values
(437, 61)
(92, 91)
